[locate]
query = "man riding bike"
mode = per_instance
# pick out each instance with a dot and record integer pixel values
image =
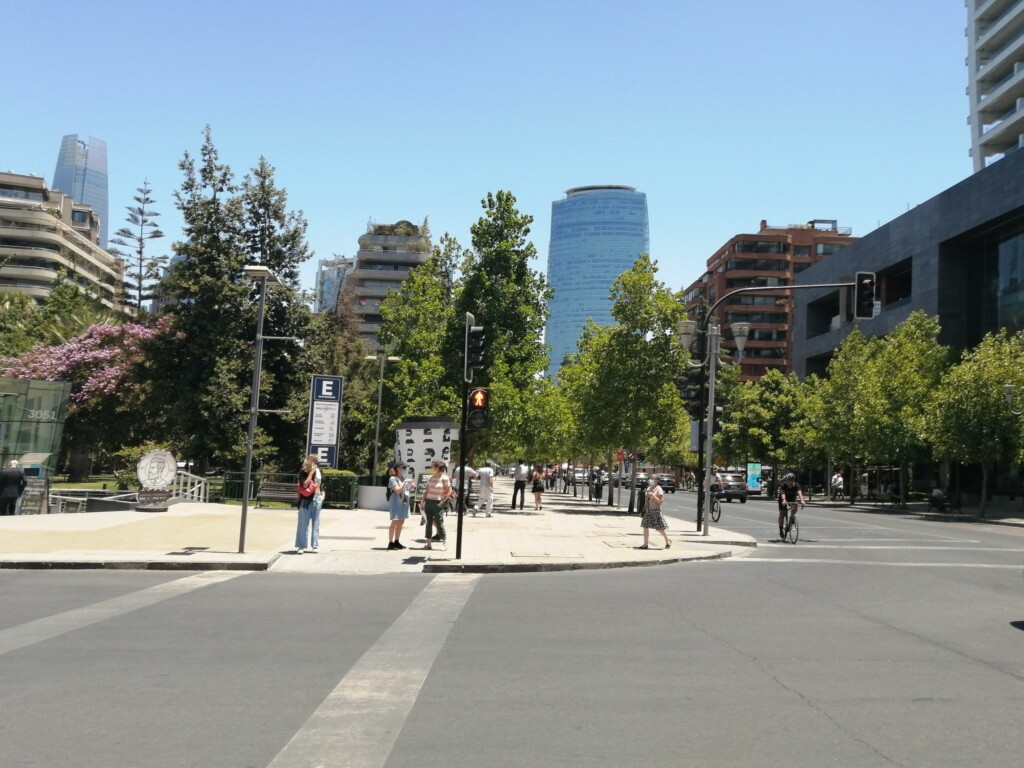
(789, 493)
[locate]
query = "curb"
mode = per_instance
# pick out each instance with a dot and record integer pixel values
(137, 565)
(456, 567)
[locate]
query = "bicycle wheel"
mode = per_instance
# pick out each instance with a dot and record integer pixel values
(794, 529)
(716, 510)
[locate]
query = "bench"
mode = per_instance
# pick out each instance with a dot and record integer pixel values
(277, 492)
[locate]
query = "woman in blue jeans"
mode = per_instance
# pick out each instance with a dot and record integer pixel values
(310, 480)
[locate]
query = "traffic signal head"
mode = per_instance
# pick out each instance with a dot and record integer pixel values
(476, 409)
(474, 352)
(864, 296)
(718, 419)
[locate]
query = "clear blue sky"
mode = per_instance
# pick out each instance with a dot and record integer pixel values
(723, 113)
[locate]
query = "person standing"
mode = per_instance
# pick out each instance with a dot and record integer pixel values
(837, 485)
(437, 491)
(12, 485)
(308, 491)
(652, 517)
(522, 474)
(485, 476)
(399, 505)
(538, 487)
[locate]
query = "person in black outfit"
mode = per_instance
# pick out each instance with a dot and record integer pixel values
(12, 485)
(789, 493)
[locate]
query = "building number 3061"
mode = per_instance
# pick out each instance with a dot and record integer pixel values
(34, 415)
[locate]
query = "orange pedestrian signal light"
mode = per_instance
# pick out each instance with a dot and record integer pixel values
(476, 410)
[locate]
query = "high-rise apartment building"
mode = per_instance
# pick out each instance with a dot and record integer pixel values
(995, 78)
(597, 233)
(81, 173)
(771, 257)
(43, 232)
(387, 254)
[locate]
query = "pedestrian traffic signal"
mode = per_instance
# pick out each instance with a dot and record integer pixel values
(479, 402)
(864, 296)
(474, 351)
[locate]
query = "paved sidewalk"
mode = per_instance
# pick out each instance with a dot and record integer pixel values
(568, 534)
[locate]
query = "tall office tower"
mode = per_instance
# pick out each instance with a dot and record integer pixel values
(81, 173)
(330, 276)
(597, 233)
(995, 78)
(773, 256)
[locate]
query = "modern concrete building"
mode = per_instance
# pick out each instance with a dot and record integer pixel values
(959, 256)
(330, 277)
(44, 231)
(81, 173)
(773, 256)
(597, 233)
(387, 254)
(995, 78)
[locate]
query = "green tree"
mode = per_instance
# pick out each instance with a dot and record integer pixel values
(201, 371)
(143, 270)
(505, 294)
(18, 326)
(895, 389)
(624, 374)
(758, 418)
(968, 420)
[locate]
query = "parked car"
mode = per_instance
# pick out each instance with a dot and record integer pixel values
(668, 483)
(734, 486)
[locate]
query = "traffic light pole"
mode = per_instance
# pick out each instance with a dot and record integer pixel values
(711, 334)
(461, 505)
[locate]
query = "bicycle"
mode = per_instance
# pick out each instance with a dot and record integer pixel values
(716, 508)
(792, 525)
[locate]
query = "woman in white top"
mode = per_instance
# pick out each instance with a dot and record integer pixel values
(652, 517)
(437, 491)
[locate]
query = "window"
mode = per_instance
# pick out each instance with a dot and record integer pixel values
(760, 246)
(80, 217)
(827, 249)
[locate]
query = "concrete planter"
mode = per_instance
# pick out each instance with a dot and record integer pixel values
(372, 497)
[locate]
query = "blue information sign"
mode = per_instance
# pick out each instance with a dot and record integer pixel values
(322, 434)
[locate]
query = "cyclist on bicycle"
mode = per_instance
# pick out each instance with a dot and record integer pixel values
(789, 493)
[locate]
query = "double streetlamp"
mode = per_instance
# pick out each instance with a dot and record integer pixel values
(265, 278)
(383, 358)
(711, 333)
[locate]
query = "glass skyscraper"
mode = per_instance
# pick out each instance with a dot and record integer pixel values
(597, 232)
(81, 174)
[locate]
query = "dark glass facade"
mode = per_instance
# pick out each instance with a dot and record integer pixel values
(597, 233)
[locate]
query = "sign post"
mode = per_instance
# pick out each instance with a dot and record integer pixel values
(325, 400)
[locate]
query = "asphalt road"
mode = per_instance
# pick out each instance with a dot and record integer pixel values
(877, 640)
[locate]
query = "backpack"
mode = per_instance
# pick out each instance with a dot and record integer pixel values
(387, 492)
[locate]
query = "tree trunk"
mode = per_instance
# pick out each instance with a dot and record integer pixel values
(80, 463)
(984, 488)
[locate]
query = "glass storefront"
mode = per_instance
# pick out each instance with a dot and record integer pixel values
(32, 417)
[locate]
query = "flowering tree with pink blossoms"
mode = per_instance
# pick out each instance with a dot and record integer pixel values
(101, 365)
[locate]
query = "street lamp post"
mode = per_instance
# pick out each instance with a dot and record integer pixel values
(712, 335)
(380, 393)
(1009, 393)
(264, 277)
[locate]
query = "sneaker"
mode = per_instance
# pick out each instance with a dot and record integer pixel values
(428, 546)
(391, 545)
(298, 550)
(399, 545)
(314, 550)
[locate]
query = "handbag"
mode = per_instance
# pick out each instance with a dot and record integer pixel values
(305, 492)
